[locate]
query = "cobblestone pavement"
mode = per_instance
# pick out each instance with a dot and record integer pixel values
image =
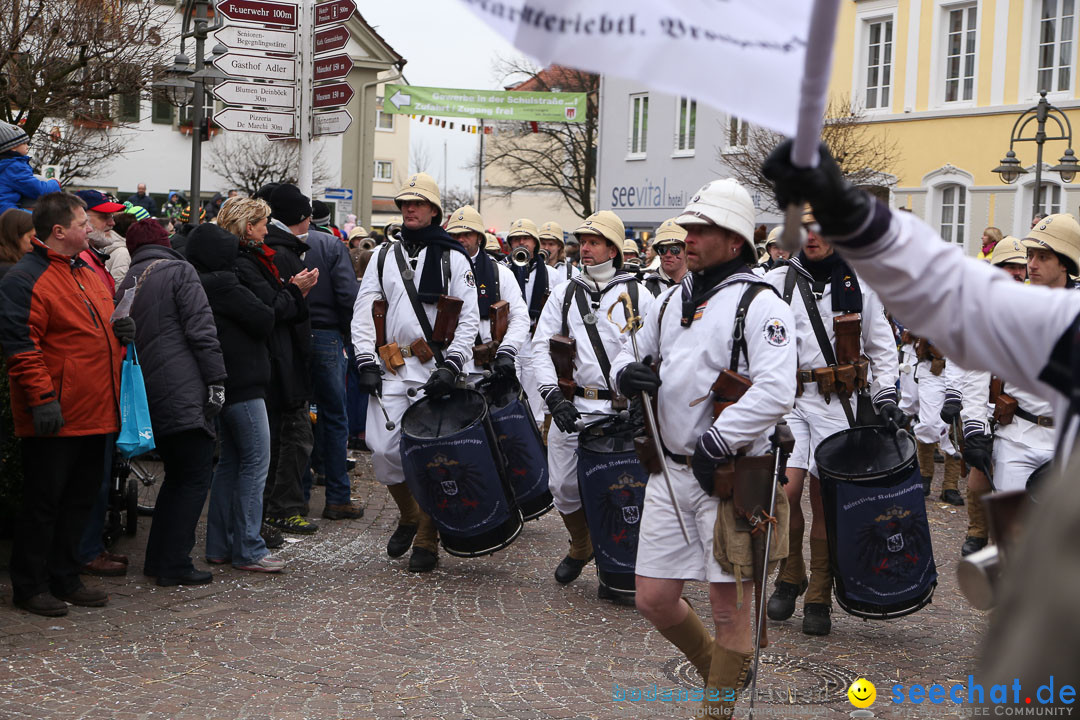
(346, 632)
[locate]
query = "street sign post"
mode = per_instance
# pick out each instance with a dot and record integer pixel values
(330, 39)
(261, 12)
(334, 67)
(342, 196)
(256, 121)
(264, 94)
(485, 104)
(256, 66)
(335, 11)
(239, 37)
(331, 96)
(332, 123)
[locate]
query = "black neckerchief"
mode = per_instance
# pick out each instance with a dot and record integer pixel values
(486, 273)
(436, 240)
(540, 287)
(703, 282)
(846, 293)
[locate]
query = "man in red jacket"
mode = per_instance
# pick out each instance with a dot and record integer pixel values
(64, 366)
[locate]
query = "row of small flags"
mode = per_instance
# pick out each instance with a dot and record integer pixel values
(466, 128)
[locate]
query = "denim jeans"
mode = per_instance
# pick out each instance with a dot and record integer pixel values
(235, 516)
(328, 368)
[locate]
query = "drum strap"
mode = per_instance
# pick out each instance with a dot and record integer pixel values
(418, 308)
(594, 335)
(810, 303)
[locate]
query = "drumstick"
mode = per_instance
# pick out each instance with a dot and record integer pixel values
(378, 401)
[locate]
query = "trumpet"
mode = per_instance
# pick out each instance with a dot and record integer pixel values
(520, 256)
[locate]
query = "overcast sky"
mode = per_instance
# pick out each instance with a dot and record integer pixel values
(445, 46)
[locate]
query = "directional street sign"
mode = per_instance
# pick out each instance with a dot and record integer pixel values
(241, 37)
(334, 67)
(260, 12)
(248, 93)
(330, 39)
(255, 121)
(400, 99)
(486, 104)
(331, 96)
(335, 11)
(332, 123)
(257, 66)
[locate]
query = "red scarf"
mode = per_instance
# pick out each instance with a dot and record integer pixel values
(265, 255)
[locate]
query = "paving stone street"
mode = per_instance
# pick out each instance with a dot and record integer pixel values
(346, 632)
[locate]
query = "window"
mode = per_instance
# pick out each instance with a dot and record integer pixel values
(384, 121)
(1056, 33)
(738, 130)
(1049, 198)
(384, 171)
(208, 110)
(879, 59)
(960, 54)
(639, 124)
(127, 107)
(161, 111)
(953, 213)
(686, 125)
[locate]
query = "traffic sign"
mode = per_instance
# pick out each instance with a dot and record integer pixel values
(342, 196)
(257, 66)
(332, 123)
(331, 39)
(331, 96)
(260, 12)
(335, 11)
(241, 37)
(255, 121)
(249, 93)
(334, 67)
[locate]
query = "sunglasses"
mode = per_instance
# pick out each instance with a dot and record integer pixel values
(665, 249)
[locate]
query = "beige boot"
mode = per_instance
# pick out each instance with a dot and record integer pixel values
(976, 532)
(793, 567)
(427, 536)
(950, 484)
(817, 606)
(729, 674)
(407, 507)
(695, 642)
(926, 465)
(581, 549)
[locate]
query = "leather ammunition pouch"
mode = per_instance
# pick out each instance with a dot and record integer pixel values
(1005, 408)
(447, 312)
(391, 356)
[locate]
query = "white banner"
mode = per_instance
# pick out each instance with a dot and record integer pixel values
(742, 56)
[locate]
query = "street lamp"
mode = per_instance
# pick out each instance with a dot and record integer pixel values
(177, 86)
(1010, 168)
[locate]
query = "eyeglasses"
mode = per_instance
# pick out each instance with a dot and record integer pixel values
(665, 249)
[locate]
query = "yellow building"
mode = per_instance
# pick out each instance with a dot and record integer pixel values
(946, 80)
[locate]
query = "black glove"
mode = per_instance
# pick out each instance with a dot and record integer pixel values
(564, 413)
(441, 382)
(370, 381)
(839, 207)
(704, 467)
(637, 377)
(124, 330)
(215, 400)
(47, 419)
(950, 412)
(892, 415)
(503, 366)
(978, 449)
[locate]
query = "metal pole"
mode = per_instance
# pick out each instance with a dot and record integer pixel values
(1040, 138)
(197, 99)
(480, 166)
(305, 121)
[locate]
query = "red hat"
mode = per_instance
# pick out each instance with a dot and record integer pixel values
(99, 202)
(146, 232)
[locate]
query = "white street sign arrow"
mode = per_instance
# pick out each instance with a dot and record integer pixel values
(249, 93)
(332, 123)
(240, 37)
(401, 100)
(257, 66)
(255, 121)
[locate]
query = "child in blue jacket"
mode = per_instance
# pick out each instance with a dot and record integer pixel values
(17, 181)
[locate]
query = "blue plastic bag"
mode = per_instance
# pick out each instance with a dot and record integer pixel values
(136, 434)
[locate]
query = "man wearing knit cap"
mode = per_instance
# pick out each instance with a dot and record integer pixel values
(410, 276)
(18, 186)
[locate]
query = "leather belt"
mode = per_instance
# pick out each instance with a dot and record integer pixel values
(681, 459)
(805, 376)
(1040, 420)
(591, 393)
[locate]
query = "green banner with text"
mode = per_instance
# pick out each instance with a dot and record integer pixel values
(485, 104)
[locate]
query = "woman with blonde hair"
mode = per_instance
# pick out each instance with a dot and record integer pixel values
(990, 238)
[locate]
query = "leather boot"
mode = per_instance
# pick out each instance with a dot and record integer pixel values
(791, 581)
(950, 492)
(581, 550)
(695, 642)
(729, 673)
(926, 465)
(410, 519)
(976, 532)
(819, 593)
(425, 554)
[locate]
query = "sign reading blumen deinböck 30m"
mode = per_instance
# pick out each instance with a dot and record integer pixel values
(742, 56)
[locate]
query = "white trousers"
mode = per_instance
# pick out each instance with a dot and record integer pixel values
(930, 428)
(809, 430)
(562, 470)
(1014, 462)
(386, 444)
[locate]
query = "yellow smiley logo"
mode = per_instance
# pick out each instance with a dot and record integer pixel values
(862, 693)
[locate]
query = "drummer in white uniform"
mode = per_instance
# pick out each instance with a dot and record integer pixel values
(692, 332)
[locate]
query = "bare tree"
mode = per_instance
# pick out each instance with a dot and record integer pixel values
(420, 158)
(75, 65)
(867, 156)
(458, 197)
(248, 161)
(552, 157)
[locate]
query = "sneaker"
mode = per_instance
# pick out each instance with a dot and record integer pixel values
(347, 511)
(266, 564)
(271, 536)
(295, 524)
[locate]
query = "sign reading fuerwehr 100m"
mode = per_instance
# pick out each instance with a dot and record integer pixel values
(486, 104)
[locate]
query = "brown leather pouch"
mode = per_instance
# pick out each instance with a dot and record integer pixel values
(996, 388)
(499, 318)
(378, 314)
(724, 481)
(391, 357)
(847, 332)
(421, 350)
(647, 454)
(937, 365)
(752, 490)
(845, 380)
(447, 312)
(906, 338)
(728, 388)
(483, 353)
(563, 351)
(862, 373)
(567, 387)
(826, 381)
(1005, 409)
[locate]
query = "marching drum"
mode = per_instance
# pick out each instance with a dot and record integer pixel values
(521, 445)
(879, 540)
(454, 470)
(612, 484)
